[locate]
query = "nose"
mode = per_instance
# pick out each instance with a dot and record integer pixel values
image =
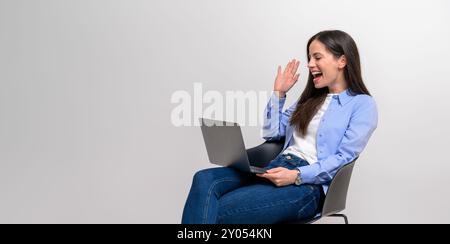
(311, 64)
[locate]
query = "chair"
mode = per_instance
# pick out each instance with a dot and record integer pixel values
(335, 199)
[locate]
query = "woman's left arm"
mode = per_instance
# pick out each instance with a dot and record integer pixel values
(362, 124)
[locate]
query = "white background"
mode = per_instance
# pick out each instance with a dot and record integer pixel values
(85, 88)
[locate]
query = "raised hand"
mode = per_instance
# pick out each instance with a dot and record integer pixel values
(286, 78)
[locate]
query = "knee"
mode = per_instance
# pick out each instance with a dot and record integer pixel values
(204, 176)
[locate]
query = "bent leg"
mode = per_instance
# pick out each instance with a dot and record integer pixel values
(267, 204)
(208, 186)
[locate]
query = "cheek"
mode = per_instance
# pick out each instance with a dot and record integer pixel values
(324, 66)
(330, 71)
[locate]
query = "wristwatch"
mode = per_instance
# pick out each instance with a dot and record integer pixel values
(298, 180)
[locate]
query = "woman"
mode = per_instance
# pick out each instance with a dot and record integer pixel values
(326, 128)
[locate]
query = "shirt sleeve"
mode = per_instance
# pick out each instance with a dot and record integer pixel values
(275, 120)
(361, 126)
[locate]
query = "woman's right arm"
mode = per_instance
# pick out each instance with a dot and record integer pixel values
(275, 120)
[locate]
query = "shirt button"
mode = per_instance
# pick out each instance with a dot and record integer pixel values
(320, 135)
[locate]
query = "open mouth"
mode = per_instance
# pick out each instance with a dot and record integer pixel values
(317, 76)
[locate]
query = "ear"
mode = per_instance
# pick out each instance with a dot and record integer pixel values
(342, 62)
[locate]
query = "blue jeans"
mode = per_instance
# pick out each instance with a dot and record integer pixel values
(225, 195)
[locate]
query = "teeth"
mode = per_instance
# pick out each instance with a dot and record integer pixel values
(316, 73)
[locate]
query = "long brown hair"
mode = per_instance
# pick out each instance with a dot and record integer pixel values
(338, 43)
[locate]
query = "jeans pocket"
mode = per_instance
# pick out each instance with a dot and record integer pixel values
(295, 163)
(277, 163)
(299, 162)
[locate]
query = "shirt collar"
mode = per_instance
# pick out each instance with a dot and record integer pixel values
(344, 97)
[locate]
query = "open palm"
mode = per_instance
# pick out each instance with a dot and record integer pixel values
(287, 78)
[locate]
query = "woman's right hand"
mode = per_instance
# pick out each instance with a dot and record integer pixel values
(287, 78)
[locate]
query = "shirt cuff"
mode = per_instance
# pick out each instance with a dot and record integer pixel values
(308, 173)
(276, 100)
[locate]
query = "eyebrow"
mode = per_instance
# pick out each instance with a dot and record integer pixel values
(316, 53)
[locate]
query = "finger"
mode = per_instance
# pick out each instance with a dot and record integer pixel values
(269, 177)
(294, 70)
(288, 66)
(278, 169)
(279, 69)
(293, 63)
(291, 67)
(274, 170)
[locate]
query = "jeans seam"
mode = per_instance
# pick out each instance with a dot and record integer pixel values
(271, 204)
(239, 211)
(307, 204)
(209, 196)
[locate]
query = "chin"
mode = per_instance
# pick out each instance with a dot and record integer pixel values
(319, 86)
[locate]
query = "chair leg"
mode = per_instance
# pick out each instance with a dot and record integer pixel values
(340, 215)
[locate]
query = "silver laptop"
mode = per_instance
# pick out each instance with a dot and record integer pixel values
(225, 145)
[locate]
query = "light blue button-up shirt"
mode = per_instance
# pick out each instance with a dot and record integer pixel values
(343, 132)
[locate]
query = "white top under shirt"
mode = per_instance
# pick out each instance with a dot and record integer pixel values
(305, 147)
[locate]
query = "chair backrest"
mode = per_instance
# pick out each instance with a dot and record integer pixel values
(336, 196)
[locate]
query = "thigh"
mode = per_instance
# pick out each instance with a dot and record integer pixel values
(266, 203)
(221, 180)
